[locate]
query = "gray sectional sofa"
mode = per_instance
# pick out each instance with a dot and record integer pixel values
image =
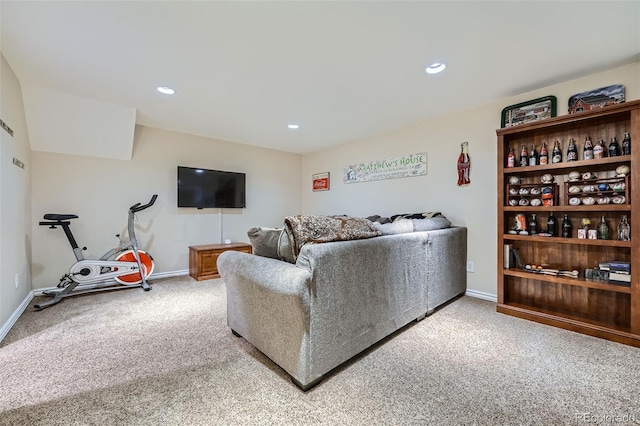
(341, 297)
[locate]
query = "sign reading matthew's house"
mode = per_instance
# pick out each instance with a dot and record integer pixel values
(390, 168)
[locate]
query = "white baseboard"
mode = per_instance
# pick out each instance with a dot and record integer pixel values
(14, 317)
(169, 274)
(481, 295)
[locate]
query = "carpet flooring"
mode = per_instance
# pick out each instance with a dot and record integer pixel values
(166, 357)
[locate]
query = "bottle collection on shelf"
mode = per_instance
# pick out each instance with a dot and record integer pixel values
(590, 152)
(520, 195)
(522, 226)
(614, 272)
(582, 188)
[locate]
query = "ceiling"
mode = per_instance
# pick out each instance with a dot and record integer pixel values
(341, 70)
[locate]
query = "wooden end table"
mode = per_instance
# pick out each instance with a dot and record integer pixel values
(202, 259)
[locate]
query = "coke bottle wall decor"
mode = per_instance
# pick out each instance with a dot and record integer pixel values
(464, 165)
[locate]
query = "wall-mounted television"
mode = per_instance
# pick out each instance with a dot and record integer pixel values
(203, 188)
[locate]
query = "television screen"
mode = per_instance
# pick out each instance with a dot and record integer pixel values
(202, 188)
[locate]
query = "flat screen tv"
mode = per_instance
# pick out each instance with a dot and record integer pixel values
(203, 188)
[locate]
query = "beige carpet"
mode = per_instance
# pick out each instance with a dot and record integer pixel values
(166, 357)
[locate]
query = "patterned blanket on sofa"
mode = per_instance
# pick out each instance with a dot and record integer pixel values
(303, 229)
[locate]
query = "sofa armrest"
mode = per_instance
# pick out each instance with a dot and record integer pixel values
(268, 305)
(447, 260)
(240, 268)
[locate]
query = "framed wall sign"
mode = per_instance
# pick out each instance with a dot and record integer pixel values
(321, 181)
(526, 112)
(597, 98)
(389, 168)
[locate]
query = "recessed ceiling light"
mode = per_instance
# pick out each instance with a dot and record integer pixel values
(435, 68)
(293, 126)
(166, 90)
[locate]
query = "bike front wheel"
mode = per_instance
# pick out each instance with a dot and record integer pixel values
(135, 278)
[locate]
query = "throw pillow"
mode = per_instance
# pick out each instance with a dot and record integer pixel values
(399, 226)
(379, 219)
(265, 241)
(285, 248)
(430, 223)
(431, 214)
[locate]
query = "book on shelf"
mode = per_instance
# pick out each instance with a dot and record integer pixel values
(617, 278)
(615, 266)
(618, 266)
(508, 260)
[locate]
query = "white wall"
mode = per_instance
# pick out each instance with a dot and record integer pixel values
(15, 200)
(100, 192)
(473, 206)
(279, 184)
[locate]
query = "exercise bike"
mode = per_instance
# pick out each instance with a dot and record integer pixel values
(125, 264)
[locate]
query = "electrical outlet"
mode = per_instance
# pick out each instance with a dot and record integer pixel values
(17, 280)
(471, 267)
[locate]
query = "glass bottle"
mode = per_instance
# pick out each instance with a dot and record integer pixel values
(600, 149)
(626, 144)
(572, 151)
(556, 155)
(533, 225)
(533, 156)
(524, 157)
(551, 225)
(624, 229)
(511, 159)
(566, 226)
(603, 229)
(587, 153)
(544, 155)
(614, 148)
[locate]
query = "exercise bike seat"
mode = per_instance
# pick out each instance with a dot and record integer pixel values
(59, 217)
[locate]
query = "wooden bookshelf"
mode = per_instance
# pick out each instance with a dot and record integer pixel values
(594, 307)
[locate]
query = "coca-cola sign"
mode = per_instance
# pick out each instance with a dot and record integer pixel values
(321, 181)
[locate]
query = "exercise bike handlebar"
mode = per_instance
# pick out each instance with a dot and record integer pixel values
(137, 207)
